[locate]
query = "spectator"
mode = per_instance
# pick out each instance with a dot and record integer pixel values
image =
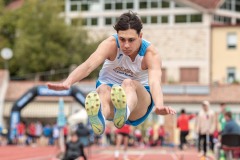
(74, 149)
(83, 134)
(122, 137)
(221, 119)
(65, 133)
(108, 132)
(31, 131)
(183, 125)
(150, 133)
(205, 127)
(38, 131)
(161, 135)
(47, 134)
(138, 135)
(56, 135)
(230, 127)
(21, 132)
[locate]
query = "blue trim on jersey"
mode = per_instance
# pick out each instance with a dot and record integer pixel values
(142, 119)
(116, 37)
(143, 48)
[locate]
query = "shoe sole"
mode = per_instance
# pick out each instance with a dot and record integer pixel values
(119, 101)
(92, 106)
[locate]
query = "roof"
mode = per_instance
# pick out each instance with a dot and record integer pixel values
(219, 93)
(202, 5)
(207, 4)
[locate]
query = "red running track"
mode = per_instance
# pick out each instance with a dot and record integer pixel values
(98, 153)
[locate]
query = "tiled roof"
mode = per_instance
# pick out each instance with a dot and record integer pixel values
(15, 4)
(208, 4)
(218, 94)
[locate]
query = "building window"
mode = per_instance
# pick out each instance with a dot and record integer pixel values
(94, 21)
(84, 7)
(143, 5)
(154, 4)
(118, 6)
(108, 6)
(154, 19)
(165, 4)
(180, 18)
(238, 21)
(238, 6)
(144, 19)
(74, 7)
(189, 75)
(196, 18)
(179, 5)
(222, 19)
(231, 75)
(130, 5)
(164, 19)
(232, 40)
(108, 21)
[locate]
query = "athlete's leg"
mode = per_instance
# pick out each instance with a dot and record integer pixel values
(98, 106)
(138, 98)
(104, 92)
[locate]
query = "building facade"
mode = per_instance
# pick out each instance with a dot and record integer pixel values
(180, 29)
(226, 54)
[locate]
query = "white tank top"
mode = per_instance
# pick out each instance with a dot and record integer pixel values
(114, 72)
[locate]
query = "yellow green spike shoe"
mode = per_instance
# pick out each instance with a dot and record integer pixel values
(93, 108)
(119, 101)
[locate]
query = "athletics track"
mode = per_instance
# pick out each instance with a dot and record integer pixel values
(99, 153)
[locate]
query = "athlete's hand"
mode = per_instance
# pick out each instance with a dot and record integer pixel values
(58, 86)
(164, 110)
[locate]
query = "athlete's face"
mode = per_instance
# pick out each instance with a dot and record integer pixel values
(130, 41)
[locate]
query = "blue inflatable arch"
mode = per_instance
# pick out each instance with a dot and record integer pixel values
(74, 91)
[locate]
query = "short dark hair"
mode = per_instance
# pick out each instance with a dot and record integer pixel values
(128, 20)
(183, 111)
(222, 104)
(228, 114)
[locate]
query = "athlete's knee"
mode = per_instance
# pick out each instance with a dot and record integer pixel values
(102, 89)
(128, 83)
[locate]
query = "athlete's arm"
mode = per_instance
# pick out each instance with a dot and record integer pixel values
(106, 50)
(153, 63)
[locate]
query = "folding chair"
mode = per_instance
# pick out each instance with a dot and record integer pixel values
(231, 144)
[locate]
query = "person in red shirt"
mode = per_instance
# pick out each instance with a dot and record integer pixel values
(183, 125)
(21, 132)
(122, 136)
(65, 133)
(32, 132)
(161, 135)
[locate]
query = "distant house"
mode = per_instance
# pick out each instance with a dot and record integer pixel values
(225, 54)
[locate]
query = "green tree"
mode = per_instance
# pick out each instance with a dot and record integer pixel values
(41, 39)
